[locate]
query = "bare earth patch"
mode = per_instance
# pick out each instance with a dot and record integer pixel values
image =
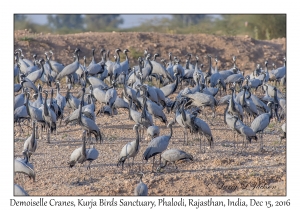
(219, 171)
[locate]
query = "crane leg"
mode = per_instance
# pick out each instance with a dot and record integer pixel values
(20, 126)
(48, 135)
(186, 136)
(204, 147)
(61, 120)
(160, 159)
(200, 142)
(261, 141)
(143, 131)
(183, 137)
(132, 161)
(90, 138)
(37, 133)
(153, 163)
(234, 141)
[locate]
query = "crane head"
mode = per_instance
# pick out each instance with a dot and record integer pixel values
(77, 50)
(41, 61)
(136, 126)
(172, 122)
(118, 50)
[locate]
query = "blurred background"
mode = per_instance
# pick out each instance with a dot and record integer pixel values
(257, 26)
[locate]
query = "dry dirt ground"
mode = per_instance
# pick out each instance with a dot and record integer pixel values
(219, 171)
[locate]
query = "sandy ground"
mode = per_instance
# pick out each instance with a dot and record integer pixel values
(222, 170)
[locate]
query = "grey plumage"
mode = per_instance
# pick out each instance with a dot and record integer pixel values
(186, 120)
(22, 165)
(144, 118)
(201, 100)
(49, 117)
(71, 68)
(26, 83)
(19, 191)
(125, 64)
(79, 154)
(91, 155)
(106, 110)
(20, 113)
(153, 131)
(17, 87)
(71, 101)
(173, 155)
(170, 88)
(131, 149)
(56, 66)
(283, 128)
(202, 127)
(230, 121)
(159, 69)
(34, 76)
(94, 67)
(120, 103)
(39, 101)
(30, 144)
(111, 96)
(95, 82)
(141, 189)
(156, 111)
(87, 111)
(280, 72)
(88, 124)
(260, 123)
(244, 130)
(158, 145)
(82, 154)
(117, 68)
(235, 108)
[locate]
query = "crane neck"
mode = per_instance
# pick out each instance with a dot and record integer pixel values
(198, 89)
(118, 57)
(27, 107)
(196, 65)
(129, 110)
(83, 149)
(171, 131)
(270, 111)
(275, 97)
(143, 115)
(176, 83)
(183, 113)
(51, 98)
(57, 89)
(216, 67)
(234, 124)
(80, 108)
(151, 65)
(33, 134)
(127, 58)
(209, 66)
(108, 55)
(93, 56)
(225, 112)
(137, 140)
(231, 103)
(46, 111)
(124, 87)
(43, 69)
(243, 98)
(25, 156)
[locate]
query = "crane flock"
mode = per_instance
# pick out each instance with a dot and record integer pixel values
(179, 97)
